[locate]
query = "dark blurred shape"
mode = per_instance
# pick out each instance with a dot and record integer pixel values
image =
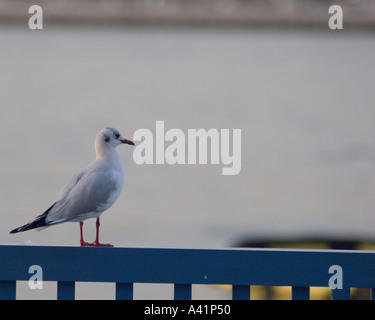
(313, 242)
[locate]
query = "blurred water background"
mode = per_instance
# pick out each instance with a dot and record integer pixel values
(304, 99)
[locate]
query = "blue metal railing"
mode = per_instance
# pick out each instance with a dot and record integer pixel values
(300, 269)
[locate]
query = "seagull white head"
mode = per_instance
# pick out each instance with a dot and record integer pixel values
(107, 139)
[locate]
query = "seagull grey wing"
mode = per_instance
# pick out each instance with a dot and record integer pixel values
(92, 192)
(69, 186)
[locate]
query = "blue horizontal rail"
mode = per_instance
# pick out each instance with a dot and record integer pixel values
(241, 268)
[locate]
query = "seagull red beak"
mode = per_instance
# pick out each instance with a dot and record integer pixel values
(127, 142)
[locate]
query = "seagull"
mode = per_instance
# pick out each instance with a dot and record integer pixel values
(89, 193)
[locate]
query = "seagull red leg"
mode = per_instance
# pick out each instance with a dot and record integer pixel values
(96, 242)
(82, 242)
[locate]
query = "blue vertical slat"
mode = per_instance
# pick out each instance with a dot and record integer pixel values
(372, 293)
(65, 290)
(240, 292)
(124, 291)
(182, 291)
(300, 293)
(7, 290)
(341, 294)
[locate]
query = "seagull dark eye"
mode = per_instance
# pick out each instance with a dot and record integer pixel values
(116, 135)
